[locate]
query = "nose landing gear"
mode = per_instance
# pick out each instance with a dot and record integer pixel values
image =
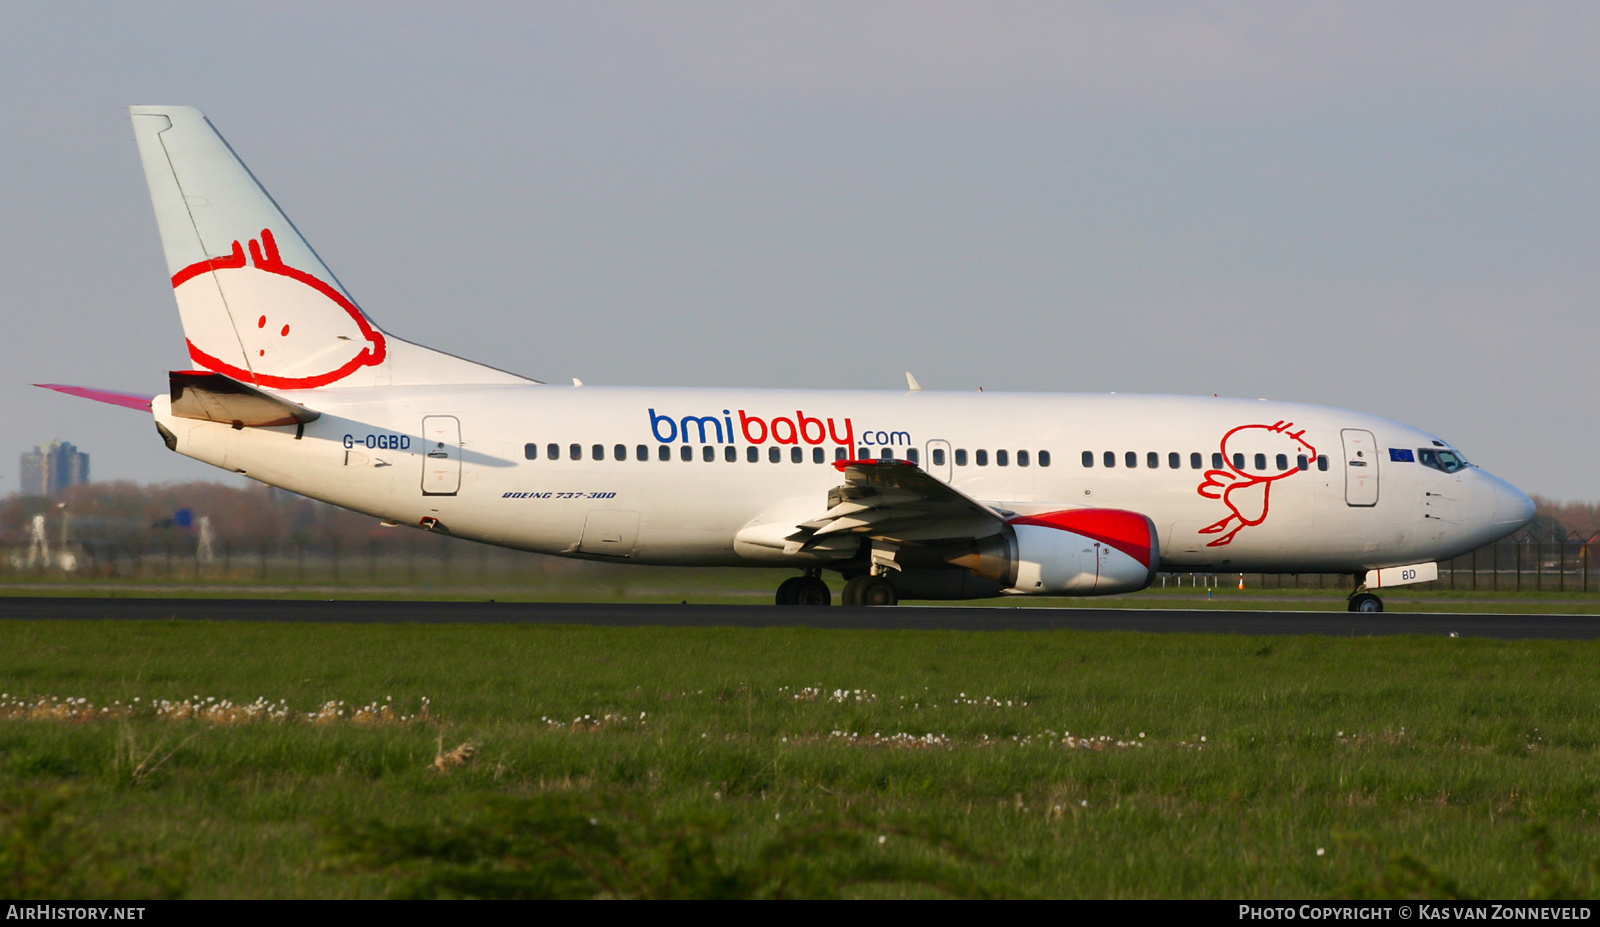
(1366, 602)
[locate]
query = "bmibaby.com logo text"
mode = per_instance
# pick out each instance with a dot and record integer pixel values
(779, 429)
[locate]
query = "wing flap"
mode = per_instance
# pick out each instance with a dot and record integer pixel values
(895, 500)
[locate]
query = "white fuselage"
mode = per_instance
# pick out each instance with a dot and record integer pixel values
(1358, 503)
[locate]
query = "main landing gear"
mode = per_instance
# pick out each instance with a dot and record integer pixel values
(811, 590)
(805, 590)
(870, 590)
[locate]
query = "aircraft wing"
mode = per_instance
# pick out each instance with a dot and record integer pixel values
(895, 501)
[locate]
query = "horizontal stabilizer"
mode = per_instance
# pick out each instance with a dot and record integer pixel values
(212, 397)
(126, 400)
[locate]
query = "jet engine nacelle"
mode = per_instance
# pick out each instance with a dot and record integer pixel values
(1071, 552)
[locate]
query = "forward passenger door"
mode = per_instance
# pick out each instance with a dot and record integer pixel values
(1360, 467)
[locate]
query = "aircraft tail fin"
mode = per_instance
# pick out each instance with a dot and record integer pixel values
(258, 304)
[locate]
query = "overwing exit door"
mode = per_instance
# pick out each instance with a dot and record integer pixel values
(938, 462)
(441, 455)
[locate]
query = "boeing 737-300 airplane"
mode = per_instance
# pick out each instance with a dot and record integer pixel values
(912, 494)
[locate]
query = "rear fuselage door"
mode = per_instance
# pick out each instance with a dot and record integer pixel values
(441, 455)
(1360, 467)
(611, 534)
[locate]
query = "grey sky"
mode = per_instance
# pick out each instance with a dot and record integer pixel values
(1387, 207)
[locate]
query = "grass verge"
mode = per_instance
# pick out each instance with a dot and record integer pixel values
(785, 762)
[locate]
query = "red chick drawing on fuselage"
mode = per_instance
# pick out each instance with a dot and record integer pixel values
(1247, 495)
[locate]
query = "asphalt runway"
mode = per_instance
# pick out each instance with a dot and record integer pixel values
(1337, 624)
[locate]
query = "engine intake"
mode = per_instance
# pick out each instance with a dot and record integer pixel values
(1071, 552)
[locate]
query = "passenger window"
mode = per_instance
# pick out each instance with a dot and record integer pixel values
(912, 455)
(982, 458)
(817, 456)
(938, 457)
(1173, 461)
(621, 451)
(599, 452)
(752, 454)
(796, 455)
(774, 455)
(1283, 462)
(641, 453)
(1216, 461)
(664, 452)
(1302, 462)
(1261, 461)
(1109, 459)
(961, 457)
(1152, 460)
(1002, 458)
(1044, 458)
(730, 454)
(1194, 460)
(1322, 462)
(885, 453)
(1088, 459)
(708, 453)
(686, 453)
(1131, 459)
(863, 453)
(553, 451)
(1238, 462)
(841, 453)
(530, 451)
(576, 451)
(1022, 458)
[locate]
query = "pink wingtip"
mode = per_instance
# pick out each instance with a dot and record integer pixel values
(126, 400)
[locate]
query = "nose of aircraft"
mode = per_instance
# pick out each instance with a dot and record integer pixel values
(1512, 509)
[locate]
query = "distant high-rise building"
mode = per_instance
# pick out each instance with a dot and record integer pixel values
(46, 471)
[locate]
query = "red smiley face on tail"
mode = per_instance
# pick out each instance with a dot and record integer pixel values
(264, 322)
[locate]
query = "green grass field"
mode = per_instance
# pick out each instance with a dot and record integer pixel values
(652, 762)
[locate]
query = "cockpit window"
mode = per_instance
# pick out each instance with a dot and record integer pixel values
(1441, 459)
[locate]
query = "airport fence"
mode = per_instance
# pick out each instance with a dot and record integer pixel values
(1568, 562)
(405, 558)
